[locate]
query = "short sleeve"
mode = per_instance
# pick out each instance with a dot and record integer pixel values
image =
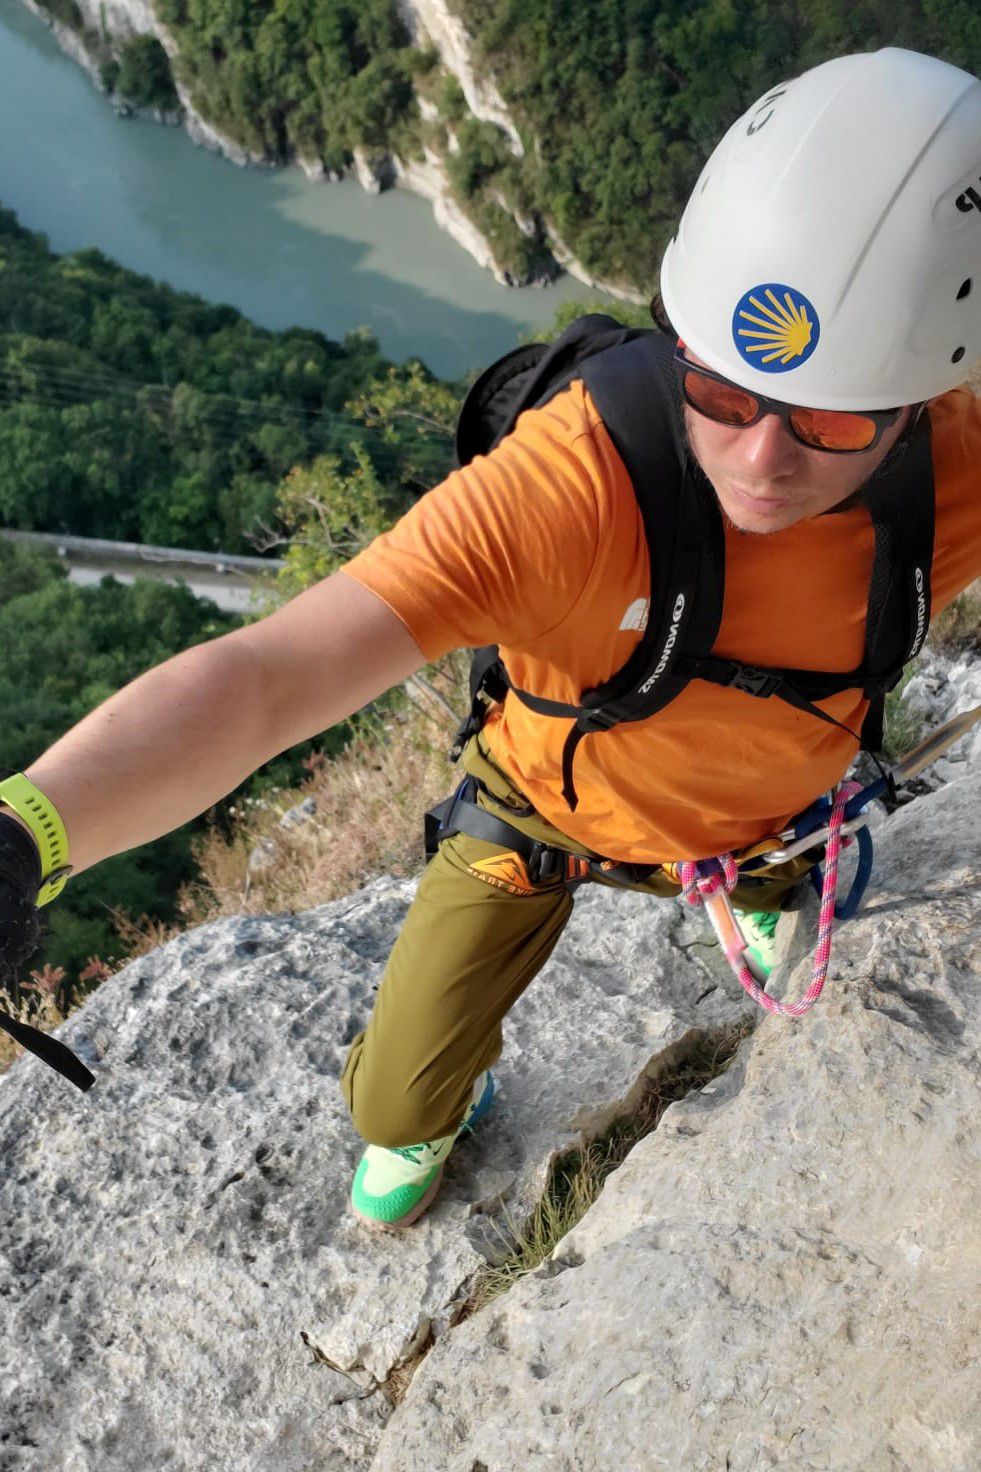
(500, 551)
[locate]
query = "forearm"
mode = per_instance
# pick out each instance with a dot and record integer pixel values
(160, 751)
(189, 731)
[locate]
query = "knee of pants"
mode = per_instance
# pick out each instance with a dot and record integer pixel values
(395, 1114)
(407, 1120)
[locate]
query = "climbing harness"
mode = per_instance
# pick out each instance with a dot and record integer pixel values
(829, 825)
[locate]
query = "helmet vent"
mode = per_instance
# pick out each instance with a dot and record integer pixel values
(957, 355)
(965, 289)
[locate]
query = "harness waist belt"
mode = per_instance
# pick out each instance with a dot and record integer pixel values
(460, 813)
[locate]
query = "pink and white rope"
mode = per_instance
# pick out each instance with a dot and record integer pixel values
(697, 887)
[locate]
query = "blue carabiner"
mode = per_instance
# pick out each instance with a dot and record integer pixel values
(848, 908)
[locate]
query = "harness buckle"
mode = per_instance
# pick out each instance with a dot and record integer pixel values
(754, 681)
(541, 863)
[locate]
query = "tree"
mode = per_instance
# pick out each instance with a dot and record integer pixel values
(144, 74)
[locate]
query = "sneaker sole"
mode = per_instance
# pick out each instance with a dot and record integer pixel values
(410, 1216)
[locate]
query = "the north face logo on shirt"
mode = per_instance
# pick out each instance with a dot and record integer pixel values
(637, 614)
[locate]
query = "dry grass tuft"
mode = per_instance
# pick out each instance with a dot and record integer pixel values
(576, 1178)
(396, 1386)
(41, 1012)
(958, 627)
(368, 821)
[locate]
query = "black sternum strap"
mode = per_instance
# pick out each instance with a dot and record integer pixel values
(568, 757)
(799, 688)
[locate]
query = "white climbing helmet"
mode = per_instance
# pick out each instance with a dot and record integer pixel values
(830, 253)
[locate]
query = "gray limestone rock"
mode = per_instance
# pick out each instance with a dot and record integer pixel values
(786, 1272)
(182, 1284)
(941, 689)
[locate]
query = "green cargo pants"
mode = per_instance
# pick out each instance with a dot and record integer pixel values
(466, 951)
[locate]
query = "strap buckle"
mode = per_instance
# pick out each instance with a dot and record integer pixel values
(754, 681)
(600, 718)
(469, 726)
(546, 862)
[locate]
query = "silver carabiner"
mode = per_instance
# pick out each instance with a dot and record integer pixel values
(789, 851)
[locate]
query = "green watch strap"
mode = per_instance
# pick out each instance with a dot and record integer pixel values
(44, 821)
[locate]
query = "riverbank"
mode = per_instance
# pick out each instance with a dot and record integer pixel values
(283, 250)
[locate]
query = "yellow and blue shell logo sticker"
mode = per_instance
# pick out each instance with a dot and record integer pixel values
(775, 327)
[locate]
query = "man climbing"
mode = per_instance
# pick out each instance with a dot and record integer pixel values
(823, 293)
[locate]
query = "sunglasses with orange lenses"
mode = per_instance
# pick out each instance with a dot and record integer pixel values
(838, 431)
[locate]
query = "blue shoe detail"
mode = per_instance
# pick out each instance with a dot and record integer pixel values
(477, 1111)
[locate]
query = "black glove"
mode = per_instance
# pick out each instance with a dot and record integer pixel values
(20, 880)
(20, 933)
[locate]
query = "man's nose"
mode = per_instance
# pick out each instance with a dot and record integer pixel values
(768, 448)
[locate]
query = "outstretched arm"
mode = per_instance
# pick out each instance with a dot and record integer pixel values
(189, 731)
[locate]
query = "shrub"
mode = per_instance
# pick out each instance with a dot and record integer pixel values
(144, 74)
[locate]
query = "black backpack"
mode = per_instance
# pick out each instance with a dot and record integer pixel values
(630, 377)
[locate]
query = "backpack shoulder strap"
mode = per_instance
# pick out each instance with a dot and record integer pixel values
(903, 507)
(528, 377)
(629, 378)
(633, 389)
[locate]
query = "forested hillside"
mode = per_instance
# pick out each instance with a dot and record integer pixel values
(625, 99)
(66, 649)
(301, 76)
(135, 412)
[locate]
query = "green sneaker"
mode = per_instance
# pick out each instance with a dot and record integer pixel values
(393, 1187)
(760, 930)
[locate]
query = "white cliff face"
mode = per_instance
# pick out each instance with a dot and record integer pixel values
(69, 41)
(433, 21)
(121, 17)
(575, 268)
(428, 178)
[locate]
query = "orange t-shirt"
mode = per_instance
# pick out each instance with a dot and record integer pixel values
(540, 547)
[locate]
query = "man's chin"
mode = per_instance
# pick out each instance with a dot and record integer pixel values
(758, 517)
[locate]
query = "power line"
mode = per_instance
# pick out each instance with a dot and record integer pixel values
(225, 404)
(58, 390)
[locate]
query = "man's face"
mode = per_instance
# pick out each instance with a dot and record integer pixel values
(766, 480)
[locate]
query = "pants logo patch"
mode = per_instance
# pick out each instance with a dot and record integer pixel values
(504, 871)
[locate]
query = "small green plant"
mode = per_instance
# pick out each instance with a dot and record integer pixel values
(903, 726)
(958, 628)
